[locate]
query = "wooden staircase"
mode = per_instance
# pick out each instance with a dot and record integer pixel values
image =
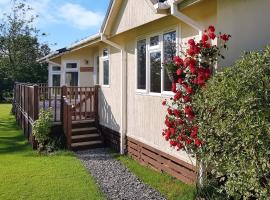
(85, 135)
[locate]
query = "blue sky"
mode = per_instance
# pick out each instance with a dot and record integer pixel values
(65, 21)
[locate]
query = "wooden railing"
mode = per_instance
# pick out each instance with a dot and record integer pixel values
(68, 104)
(25, 107)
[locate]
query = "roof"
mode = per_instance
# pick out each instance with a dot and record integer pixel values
(71, 47)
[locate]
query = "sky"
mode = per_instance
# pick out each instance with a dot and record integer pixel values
(65, 21)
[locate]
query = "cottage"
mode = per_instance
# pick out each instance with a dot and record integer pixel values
(126, 57)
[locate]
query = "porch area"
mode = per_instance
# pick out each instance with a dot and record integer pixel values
(75, 111)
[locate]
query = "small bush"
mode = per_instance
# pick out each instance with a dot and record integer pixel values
(42, 129)
(234, 114)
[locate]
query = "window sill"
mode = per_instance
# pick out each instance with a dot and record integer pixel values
(152, 94)
(105, 86)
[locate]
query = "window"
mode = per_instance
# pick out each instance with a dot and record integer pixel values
(72, 74)
(71, 65)
(56, 68)
(56, 80)
(97, 71)
(106, 67)
(155, 72)
(151, 53)
(141, 65)
(72, 78)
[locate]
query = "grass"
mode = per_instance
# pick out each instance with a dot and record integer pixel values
(25, 174)
(168, 186)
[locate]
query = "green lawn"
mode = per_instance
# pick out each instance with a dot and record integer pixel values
(170, 187)
(24, 174)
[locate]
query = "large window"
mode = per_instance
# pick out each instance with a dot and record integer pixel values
(106, 67)
(151, 53)
(56, 80)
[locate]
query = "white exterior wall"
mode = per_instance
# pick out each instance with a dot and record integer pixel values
(248, 21)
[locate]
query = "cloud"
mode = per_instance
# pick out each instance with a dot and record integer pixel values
(79, 17)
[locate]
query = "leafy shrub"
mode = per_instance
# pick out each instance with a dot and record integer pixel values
(42, 129)
(234, 117)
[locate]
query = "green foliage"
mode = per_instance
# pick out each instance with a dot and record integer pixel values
(234, 117)
(20, 48)
(42, 129)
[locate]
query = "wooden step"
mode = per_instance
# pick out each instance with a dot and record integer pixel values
(85, 137)
(83, 124)
(87, 145)
(83, 131)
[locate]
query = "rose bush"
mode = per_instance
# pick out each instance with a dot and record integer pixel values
(192, 72)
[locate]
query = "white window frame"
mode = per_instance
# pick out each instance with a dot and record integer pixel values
(71, 70)
(96, 74)
(149, 50)
(52, 72)
(105, 58)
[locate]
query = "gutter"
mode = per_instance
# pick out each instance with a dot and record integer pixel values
(123, 102)
(173, 5)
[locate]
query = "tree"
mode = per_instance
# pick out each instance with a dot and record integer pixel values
(20, 48)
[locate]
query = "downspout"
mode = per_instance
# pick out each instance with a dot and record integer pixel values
(123, 104)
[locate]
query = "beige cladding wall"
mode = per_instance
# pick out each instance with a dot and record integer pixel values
(82, 55)
(248, 21)
(109, 96)
(145, 115)
(133, 13)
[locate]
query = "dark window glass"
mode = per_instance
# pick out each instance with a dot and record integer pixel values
(169, 49)
(56, 68)
(56, 79)
(72, 78)
(71, 65)
(105, 52)
(141, 64)
(155, 72)
(154, 41)
(106, 72)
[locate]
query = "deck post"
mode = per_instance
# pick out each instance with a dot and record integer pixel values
(36, 102)
(96, 105)
(63, 94)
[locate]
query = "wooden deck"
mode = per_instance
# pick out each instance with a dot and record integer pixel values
(69, 105)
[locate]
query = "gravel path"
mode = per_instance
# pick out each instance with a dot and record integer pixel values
(114, 179)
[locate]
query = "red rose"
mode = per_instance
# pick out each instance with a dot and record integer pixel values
(206, 45)
(170, 112)
(178, 95)
(188, 141)
(172, 130)
(179, 72)
(180, 80)
(186, 98)
(200, 80)
(225, 37)
(196, 49)
(179, 122)
(205, 38)
(191, 42)
(194, 132)
(192, 69)
(164, 102)
(189, 90)
(191, 116)
(197, 142)
(178, 61)
(168, 123)
(212, 35)
(190, 52)
(188, 110)
(192, 62)
(174, 87)
(173, 143)
(176, 113)
(179, 146)
(211, 29)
